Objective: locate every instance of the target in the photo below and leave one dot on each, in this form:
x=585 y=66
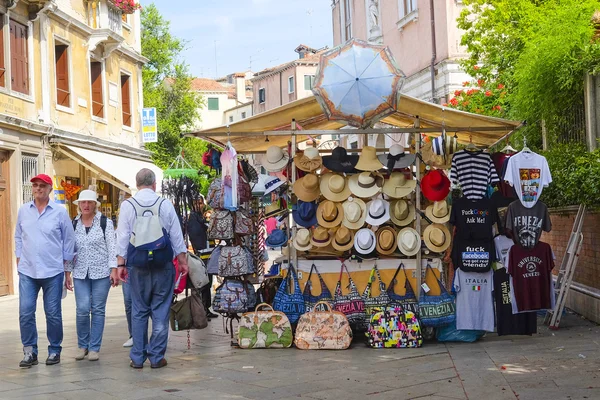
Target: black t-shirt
x=473 y=218
x=500 y=204
x=471 y=255
x=526 y=224
x=508 y=323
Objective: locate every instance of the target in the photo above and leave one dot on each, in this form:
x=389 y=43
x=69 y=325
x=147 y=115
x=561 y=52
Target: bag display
x=221 y=225
x=394 y=327
x=323 y=330
x=373 y=302
x=188 y=313
x=267 y=329
x=352 y=305
x=231 y=297
x=309 y=300
x=435 y=311
x=214 y=196
x=212 y=267
x=292 y=304
x=409 y=300
x=197 y=274
x=243 y=223
x=234 y=261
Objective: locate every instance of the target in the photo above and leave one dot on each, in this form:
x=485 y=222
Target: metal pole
x=419 y=267
x=293 y=255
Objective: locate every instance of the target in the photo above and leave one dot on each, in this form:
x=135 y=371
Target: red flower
x=500 y=86
x=480 y=82
x=476 y=67
x=465 y=103
x=488 y=93
x=471 y=92
x=466 y=83
x=497 y=107
x=444 y=104
x=458 y=92
x=454 y=101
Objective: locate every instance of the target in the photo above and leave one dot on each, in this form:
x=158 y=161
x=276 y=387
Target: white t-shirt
x=474 y=301
x=503 y=245
x=528 y=173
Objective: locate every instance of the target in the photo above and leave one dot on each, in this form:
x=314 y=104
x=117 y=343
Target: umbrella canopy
x=358 y=83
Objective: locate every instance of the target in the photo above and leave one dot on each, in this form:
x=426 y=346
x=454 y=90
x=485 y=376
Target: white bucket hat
x=275 y=159
x=87 y=195
x=378 y=212
x=409 y=241
x=364 y=241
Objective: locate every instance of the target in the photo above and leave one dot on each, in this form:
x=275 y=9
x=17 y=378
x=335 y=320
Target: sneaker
x=81 y=353
x=211 y=315
x=29 y=360
x=128 y=343
x=93 y=356
x=53 y=359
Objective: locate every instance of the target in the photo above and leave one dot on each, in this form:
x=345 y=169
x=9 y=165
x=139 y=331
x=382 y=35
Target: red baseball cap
x=435 y=185
x=42 y=177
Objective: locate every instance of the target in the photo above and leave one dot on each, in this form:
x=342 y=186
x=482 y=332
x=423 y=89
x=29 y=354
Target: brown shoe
x=135 y=366
x=160 y=364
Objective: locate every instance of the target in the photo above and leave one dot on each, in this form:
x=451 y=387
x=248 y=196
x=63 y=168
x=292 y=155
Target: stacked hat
x=307 y=188
x=355 y=213
x=409 y=241
x=364 y=241
x=386 y=240
x=330 y=214
x=402 y=212
x=309 y=161
x=275 y=159
x=321 y=237
x=340 y=161
x=397 y=158
x=305 y=213
x=343 y=240
x=378 y=212
x=438 y=212
x=272 y=183
x=437 y=238
x=368 y=160
x=302 y=240
x=277 y=238
x=397 y=186
x=366 y=184
x=334 y=187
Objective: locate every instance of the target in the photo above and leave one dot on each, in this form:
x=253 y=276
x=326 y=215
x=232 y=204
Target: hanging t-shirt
x=474 y=304
x=500 y=160
x=474 y=171
x=508 y=323
x=528 y=173
x=271 y=224
x=531 y=270
x=473 y=218
x=472 y=255
x=526 y=224
x=503 y=245
x=500 y=203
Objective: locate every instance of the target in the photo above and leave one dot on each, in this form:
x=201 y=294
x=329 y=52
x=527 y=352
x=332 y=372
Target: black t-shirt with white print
x=473 y=219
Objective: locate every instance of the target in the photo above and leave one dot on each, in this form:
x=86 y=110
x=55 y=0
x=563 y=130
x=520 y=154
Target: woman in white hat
x=94 y=270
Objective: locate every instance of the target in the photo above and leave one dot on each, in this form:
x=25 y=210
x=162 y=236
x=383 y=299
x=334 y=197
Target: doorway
x=6 y=286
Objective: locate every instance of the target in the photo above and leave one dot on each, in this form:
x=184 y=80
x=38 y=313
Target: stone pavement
x=562 y=364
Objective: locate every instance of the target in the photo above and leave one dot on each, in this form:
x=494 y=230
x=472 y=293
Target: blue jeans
x=90 y=297
x=127 y=302
x=151 y=297
x=52 y=294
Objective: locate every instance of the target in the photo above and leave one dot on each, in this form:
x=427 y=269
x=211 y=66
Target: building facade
x=70 y=107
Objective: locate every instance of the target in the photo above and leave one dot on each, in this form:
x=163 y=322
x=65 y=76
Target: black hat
x=340 y=161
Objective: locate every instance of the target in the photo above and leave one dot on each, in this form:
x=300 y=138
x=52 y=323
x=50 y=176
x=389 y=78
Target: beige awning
x=248 y=135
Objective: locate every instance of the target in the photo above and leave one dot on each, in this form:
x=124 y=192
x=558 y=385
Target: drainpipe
x=433 y=52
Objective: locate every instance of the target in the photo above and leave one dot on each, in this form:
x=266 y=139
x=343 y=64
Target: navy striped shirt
x=473 y=171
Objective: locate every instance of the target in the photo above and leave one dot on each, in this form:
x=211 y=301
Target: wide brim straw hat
x=302 y=240
x=87 y=195
x=275 y=159
x=355 y=213
x=409 y=241
x=335 y=187
x=386 y=240
x=343 y=240
x=402 y=212
x=321 y=237
x=366 y=184
x=330 y=214
x=309 y=161
x=378 y=212
x=397 y=186
x=437 y=238
x=439 y=212
x=368 y=161
x=307 y=188
x=364 y=241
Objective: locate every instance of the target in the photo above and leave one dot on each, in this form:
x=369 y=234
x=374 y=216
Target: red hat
x=435 y=185
x=42 y=177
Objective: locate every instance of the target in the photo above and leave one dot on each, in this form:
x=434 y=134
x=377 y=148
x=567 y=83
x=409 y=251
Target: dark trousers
x=206 y=292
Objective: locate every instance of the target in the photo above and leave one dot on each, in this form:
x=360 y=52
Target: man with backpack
x=149 y=236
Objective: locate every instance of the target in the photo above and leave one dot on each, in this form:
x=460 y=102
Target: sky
x=256 y=33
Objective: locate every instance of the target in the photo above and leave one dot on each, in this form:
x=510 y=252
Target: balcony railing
x=102 y=15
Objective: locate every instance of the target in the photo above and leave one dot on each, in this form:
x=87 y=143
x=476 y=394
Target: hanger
x=525 y=148
x=228 y=137
x=508 y=148
x=471 y=146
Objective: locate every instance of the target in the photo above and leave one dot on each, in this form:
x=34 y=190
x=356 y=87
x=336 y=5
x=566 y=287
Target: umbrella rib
x=372 y=61
x=346 y=95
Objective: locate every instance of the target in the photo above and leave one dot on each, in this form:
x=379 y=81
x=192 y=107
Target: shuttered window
x=63 y=94
x=126 y=100
x=19 y=63
x=97 y=95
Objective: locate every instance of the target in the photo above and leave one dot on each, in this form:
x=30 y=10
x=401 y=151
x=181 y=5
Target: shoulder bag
x=221 y=225
x=372 y=302
x=292 y=304
x=214 y=196
x=409 y=300
x=309 y=299
x=243 y=223
x=197 y=274
x=435 y=311
x=188 y=313
x=212 y=267
x=352 y=305
x=231 y=297
x=234 y=261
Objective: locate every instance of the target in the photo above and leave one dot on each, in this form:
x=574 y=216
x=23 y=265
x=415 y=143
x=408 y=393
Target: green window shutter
x=213 y=103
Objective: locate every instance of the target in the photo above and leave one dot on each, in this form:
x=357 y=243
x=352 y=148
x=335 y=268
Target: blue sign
x=149 y=125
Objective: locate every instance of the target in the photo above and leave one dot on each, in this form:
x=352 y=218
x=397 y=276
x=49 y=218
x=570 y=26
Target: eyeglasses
x=39 y=185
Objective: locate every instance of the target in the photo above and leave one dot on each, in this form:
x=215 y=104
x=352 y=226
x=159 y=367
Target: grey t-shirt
x=474 y=301
x=527 y=224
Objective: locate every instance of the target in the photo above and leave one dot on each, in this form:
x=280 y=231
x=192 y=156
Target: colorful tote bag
x=323 y=330
x=231 y=297
x=409 y=300
x=372 y=302
x=394 y=327
x=264 y=329
x=309 y=299
x=439 y=310
x=352 y=305
x=292 y=304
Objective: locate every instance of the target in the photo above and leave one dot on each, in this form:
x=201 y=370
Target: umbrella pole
x=419 y=266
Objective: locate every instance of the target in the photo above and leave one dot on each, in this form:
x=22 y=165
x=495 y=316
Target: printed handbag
x=197 y=271
x=292 y=304
x=323 y=330
x=252 y=297
x=188 y=313
x=212 y=267
x=221 y=225
x=372 y=302
x=231 y=297
x=214 y=196
x=243 y=223
x=439 y=310
x=309 y=299
x=244 y=189
x=233 y=261
x=250 y=260
x=352 y=305
x=409 y=300
x=394 y=327
x=268 y=329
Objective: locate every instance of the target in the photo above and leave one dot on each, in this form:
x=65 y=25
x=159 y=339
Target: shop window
x=213 y=103
x=61 y=59
x=29 y=169
x=19 y=59
x=126 y=99
x=97 y=89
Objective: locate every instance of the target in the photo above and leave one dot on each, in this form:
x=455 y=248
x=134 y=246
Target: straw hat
x=310 y=161
x=438 y=212
x=437 y=238
x=302 y=240
x=402 y=212
x=368 y=161
x=321 y=237
x=365 y=184
x=334 y=187
x=435 y=185
x=397 y=158
x=343 y=239
x=340 y=161
x=397 y=186
x=386 y=240
x=409 y=241
x=355 y=213
x=307 y=188
x=275 y=159
x=364 y=241
x=87 y=195
x=275 y=208
x=378 y=212
x=430 y=158
x=305 y=213
x=330 y=214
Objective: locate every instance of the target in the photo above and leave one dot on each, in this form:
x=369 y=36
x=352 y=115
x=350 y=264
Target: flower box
x=126 y=6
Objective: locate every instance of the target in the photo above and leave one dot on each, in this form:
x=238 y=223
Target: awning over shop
x=117 y=170
x=308 y=114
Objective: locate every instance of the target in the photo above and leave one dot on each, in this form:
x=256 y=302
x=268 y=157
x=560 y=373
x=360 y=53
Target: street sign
x=149 y=125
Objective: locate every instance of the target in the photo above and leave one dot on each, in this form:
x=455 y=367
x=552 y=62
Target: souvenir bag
x=180 y=281
x=292 y=304
x=264 y=328
x=243 y=223
x=244 y=189
x=233 y=261
x=435 y=311
x=373 y=302
x=214 y=196
x=394 y=327
x=197 y=271
x=267 y=290
x=188 y=313
x=250 y=260
x=352 y=305
x=252 y=297
x=221 y=225
x=212 y=267
x=309 y=299
x=231 y=297
x=323 y=330
x=409 y=300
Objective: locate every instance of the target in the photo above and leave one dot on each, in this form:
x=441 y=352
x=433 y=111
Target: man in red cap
x=44 y=242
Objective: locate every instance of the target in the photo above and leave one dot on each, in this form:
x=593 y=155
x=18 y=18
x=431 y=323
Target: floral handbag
x=435 y=311
x=243 y=223
x=323 y=330
x=221 y=225
x=233 y=261
x=352 y=305
x=372 y=302
x=309 y=299
x=268 y=329
x=214 y=197
x=409 y=300
x=392 y=326
x=292 y=304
